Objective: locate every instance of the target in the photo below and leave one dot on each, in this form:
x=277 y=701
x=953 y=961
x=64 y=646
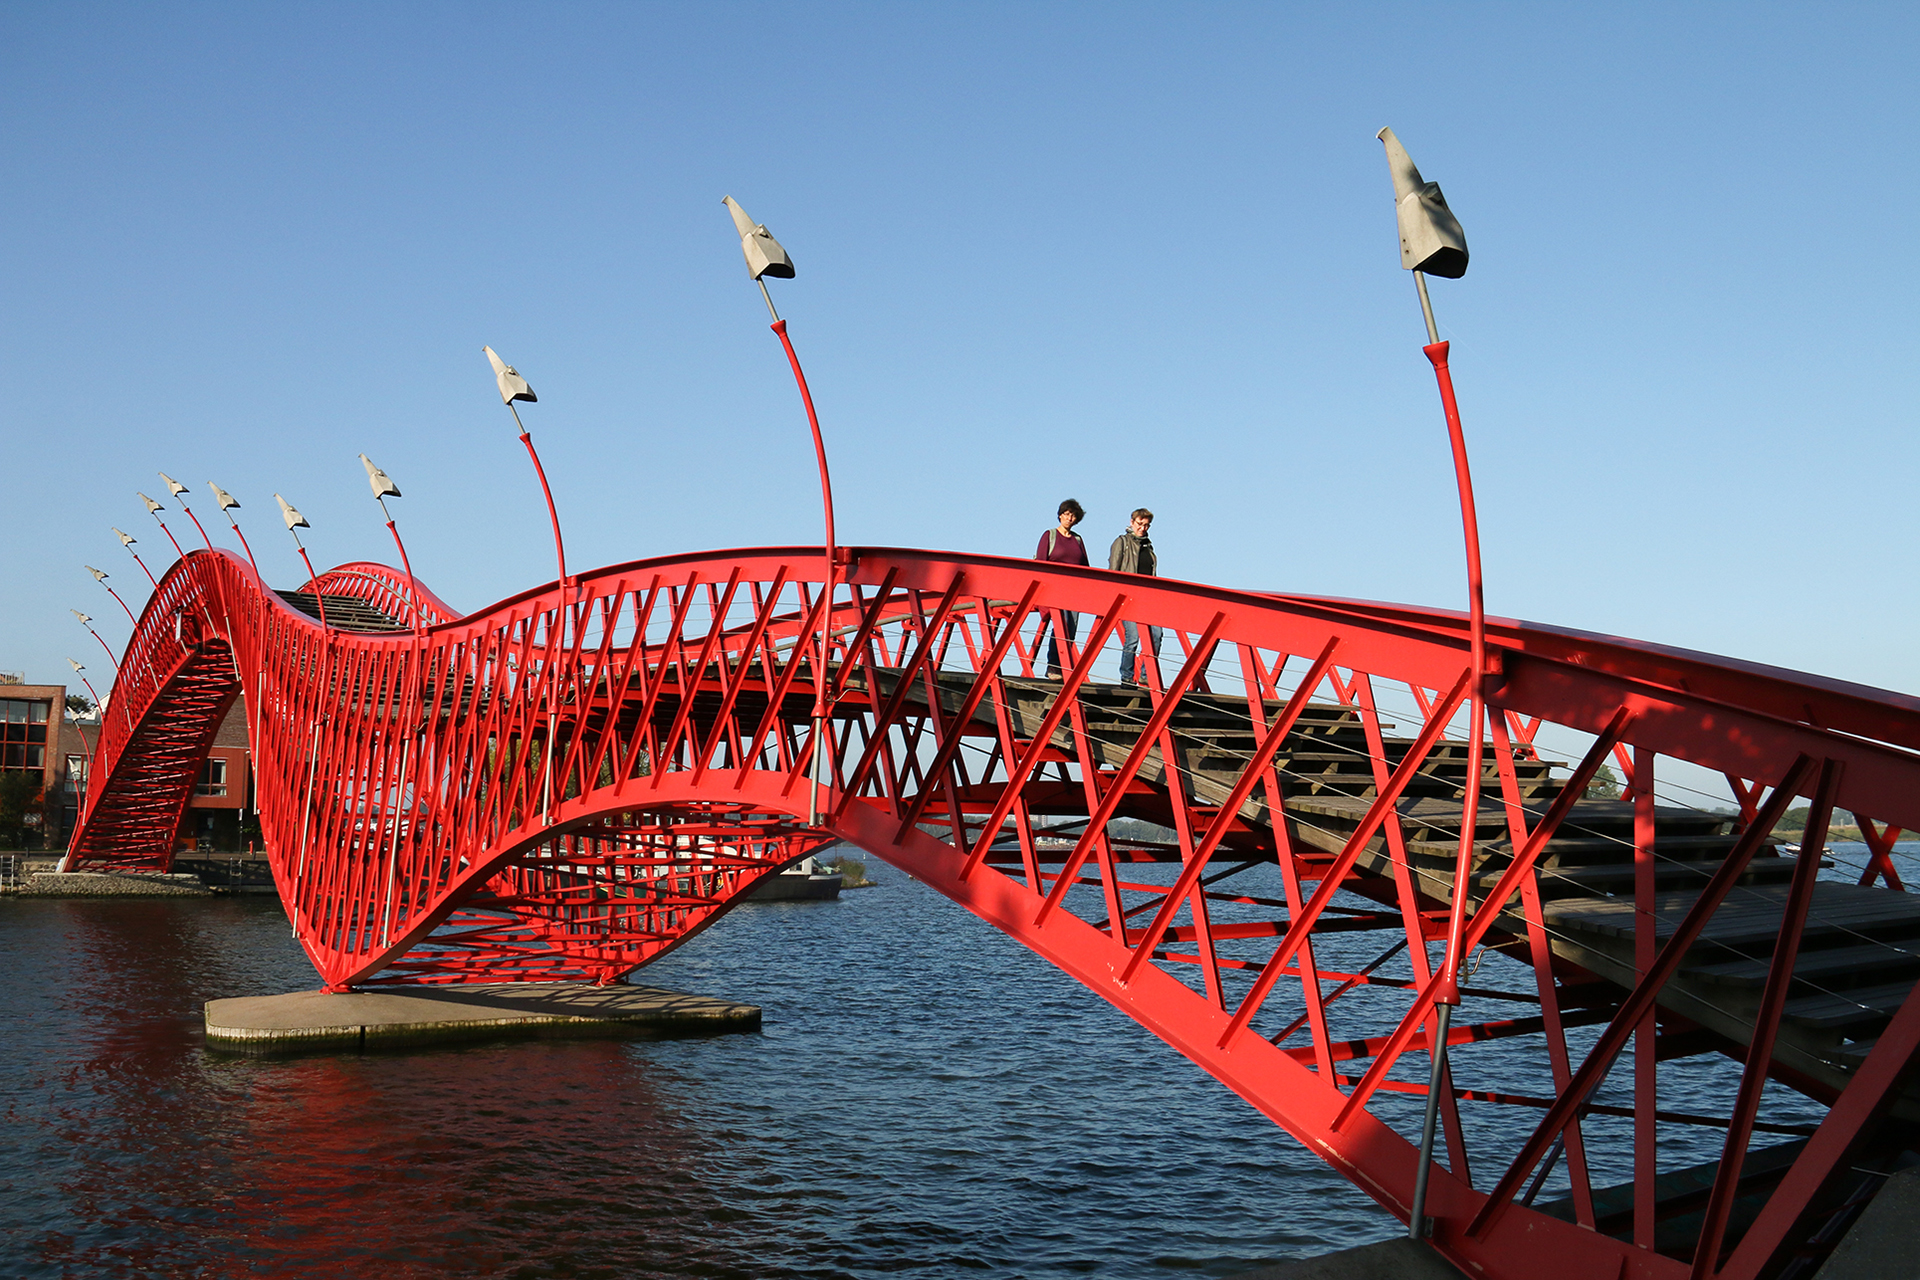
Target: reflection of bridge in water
x=570 y=783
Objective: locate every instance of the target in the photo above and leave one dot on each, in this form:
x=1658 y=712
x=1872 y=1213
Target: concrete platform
x=406 y=1017
x=1400 y=1259
x=1880 y=1246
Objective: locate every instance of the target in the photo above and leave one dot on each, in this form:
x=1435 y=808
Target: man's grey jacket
x=1131 y=555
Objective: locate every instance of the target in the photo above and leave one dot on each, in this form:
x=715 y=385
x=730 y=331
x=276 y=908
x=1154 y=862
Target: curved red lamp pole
x=244 y=546
x=553 y=512
x=154 y=509
x=127 y=540
x=86 y=790
x=766 y=257
x=514 y=387
x=1447 y=994
x=822 y=747
x=227 y=504
x=87 y=622
x=1431 y=241
x=382 y=485
x=413 y=587
x=295 y=522
x=313 y=582
x=180 y=492
x=1436 y=352
x=96 y=697
x=196 y=524
x=100 y=576
x=566 y=594
x=96 y=700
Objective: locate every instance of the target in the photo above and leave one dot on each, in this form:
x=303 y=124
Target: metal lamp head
x=221 y=496
x=764 y=255
x=173 y=486
x=77 y=668
x=293 y=518
x=512 y=385
x=126 y=539
x=84 y=618
x=98 y=575
x=152 y=506
x=1431 y=239
x=381 y=483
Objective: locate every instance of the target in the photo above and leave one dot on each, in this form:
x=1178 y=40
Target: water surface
x=926 y=1098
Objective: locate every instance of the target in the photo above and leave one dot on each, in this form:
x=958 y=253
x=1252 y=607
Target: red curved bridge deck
x=576 y=780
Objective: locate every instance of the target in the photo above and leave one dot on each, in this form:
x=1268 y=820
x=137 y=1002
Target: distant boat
x=801 y=882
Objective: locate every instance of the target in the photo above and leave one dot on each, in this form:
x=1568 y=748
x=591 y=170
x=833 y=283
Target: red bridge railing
x=577 y=779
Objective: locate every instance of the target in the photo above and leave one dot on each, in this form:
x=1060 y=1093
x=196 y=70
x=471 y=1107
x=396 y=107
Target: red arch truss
x=577 y=779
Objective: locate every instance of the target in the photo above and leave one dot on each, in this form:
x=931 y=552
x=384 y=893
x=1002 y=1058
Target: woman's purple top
x=1061 y=548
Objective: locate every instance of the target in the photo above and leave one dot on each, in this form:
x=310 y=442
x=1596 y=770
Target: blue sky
x=1133 y=254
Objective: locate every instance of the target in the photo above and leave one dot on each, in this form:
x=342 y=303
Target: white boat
x=801 y=882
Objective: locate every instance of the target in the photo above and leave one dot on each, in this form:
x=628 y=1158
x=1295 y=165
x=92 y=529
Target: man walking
x=1132 y=552
x=1061 y=545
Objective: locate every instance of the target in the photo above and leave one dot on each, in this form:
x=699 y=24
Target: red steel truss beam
x=572 y=782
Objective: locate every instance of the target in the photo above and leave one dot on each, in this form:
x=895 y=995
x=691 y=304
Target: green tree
x=1604 y=786
x=851 y=871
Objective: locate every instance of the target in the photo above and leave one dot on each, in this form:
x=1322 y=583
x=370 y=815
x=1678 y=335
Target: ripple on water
x=927 y=1098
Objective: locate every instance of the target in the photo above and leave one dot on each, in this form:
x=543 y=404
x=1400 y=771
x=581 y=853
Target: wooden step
x=1866 y=963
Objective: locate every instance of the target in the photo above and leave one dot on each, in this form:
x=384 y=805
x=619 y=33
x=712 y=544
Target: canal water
x=927 y=1098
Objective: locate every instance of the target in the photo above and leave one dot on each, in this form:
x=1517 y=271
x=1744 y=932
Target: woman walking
x=1061 y=545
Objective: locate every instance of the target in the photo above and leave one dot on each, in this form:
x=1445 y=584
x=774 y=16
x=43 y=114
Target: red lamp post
x=514 y=387
x=86 y=787
x=383 y=488
x=127 y=540
x=228 y=505
x=180 y=491
x=98 y=703
x=1433 y=243
x=100 y=576
x=87 y=622
x=766 y=258
x=296 y=522
x=154 y=509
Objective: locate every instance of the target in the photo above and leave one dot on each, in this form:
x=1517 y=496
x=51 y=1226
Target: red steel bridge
x=574 y=781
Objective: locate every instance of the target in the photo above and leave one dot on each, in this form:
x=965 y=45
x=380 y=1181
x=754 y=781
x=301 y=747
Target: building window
x=213 y=777
x=23 y=734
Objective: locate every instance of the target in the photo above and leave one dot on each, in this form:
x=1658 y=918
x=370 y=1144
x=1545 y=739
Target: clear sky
x=1131 y=254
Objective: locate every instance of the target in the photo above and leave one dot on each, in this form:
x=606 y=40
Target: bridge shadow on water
x=927 y=1098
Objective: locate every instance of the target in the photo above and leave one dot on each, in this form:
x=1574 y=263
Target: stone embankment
x=112 y=884
x=194 y=874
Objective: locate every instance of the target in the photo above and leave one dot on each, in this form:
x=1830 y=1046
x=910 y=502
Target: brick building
x=39 y=739
x=220 y=814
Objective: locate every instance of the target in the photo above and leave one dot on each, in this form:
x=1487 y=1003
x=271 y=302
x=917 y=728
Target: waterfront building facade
x=43 y=763
x=41 y=740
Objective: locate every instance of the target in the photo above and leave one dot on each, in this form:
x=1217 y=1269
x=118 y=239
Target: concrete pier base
x=1389 y=1260
x=404 y=1017
x=1880 y=1246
